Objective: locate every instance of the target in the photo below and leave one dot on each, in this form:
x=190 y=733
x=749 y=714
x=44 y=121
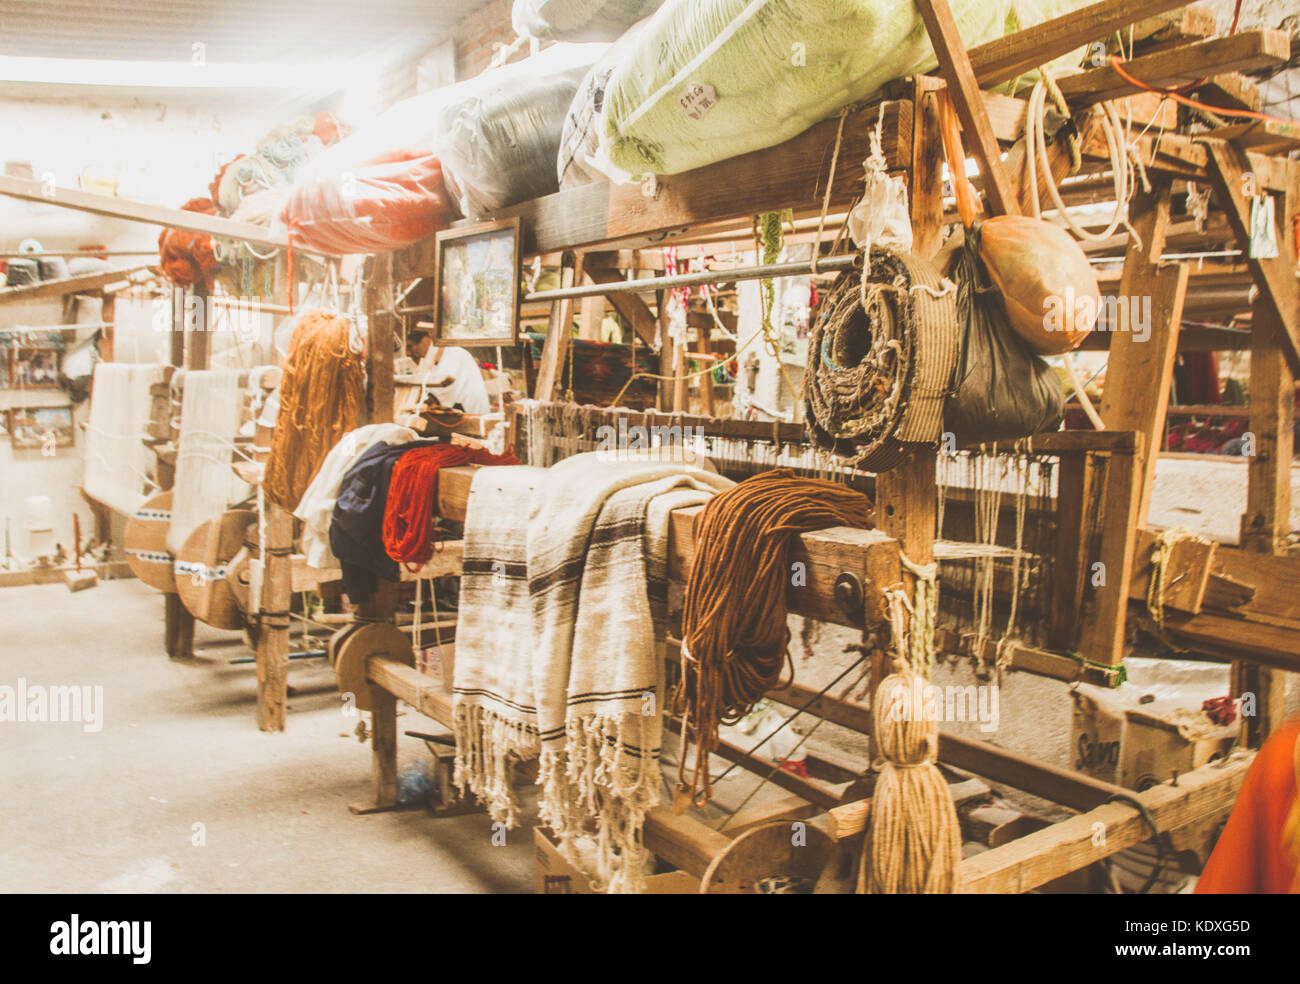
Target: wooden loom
x=1241 y=605
x=1221 y=606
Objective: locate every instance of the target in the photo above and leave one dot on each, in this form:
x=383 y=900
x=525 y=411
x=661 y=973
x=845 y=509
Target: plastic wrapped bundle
x=579 y=20
x=500 y=132
x=580 y=141
x=379 y=204
x=713 y=79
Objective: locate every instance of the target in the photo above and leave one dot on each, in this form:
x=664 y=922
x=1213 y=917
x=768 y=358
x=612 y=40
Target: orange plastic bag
x=1047 y=284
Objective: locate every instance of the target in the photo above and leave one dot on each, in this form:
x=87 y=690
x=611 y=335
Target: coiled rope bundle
x=322 y=397
x=735 y=636
x=881 y=360
x=413 y=492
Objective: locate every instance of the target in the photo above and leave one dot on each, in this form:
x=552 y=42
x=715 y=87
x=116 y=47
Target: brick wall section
x=477 y=35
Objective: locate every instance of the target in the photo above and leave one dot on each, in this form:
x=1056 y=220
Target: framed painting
x=477 y=284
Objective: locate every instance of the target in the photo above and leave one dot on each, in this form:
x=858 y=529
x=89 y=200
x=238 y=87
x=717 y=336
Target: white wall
x=161 y=148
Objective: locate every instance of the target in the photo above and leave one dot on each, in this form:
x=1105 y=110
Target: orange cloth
x=1252 y=856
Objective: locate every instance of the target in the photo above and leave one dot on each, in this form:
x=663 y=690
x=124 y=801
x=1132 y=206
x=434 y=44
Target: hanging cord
x=1036 y=153
x=735 y=644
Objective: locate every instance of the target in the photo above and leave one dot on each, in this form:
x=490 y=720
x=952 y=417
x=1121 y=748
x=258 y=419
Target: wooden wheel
x=770 y=859
x=201 y=569
x=145 y=541
x=366 y=640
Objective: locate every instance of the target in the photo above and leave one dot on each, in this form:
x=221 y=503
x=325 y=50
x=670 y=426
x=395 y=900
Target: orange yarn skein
x=322 y=397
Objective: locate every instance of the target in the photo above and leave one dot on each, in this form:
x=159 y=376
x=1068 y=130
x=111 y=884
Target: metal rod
x=92 y=253
x=309 y=654
x=763 y=271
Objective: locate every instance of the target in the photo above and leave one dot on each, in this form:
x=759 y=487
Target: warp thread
x=735 y=634
x=322 y=397
x=413 y=493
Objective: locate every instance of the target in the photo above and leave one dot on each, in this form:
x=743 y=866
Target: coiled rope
x=735 y=636
x=880 y=361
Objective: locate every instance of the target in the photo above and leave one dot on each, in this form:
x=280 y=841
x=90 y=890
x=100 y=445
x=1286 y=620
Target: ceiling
x=283 y=32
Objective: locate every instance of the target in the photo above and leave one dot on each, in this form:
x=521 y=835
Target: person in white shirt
x=449 y=373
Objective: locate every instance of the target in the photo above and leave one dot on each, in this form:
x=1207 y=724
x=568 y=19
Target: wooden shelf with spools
x=1230 y=610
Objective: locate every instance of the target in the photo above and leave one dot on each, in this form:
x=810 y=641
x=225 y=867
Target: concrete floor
x=115 y=810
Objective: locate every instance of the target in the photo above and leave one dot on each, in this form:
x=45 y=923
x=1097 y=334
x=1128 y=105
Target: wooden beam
x=67 y=285
x=124 y=208
x=1187 y=572
x=623 y=216
x=1245 y=52
x=630 y=306
x=1004 y=59
x=964 y=91
x=1140 y=368
x=1105 y=610
x=1266 y=524
x=1038 y=858
x=926 y=193
x=1275 y=277
x=558 y=333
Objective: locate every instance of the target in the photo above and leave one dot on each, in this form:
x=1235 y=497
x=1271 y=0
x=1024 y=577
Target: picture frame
x=476 y=284
x=29 y=428
x=34 y=367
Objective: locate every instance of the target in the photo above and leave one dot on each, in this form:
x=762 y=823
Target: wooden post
x=382 y=605
x=1266 y=524
x=1102 y=633
x=276 y=595
x=273 y=639
x=1140 y=369
x=556 y=348
x=665 y=394
x=1074 y=485
x=926 y=192
x=955 y=67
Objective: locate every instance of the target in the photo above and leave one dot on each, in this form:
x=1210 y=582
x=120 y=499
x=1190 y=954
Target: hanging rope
x=735 y=636
x=413 y=493
x=322 y=397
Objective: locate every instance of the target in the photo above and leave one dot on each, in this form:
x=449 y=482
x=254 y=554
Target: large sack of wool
x=713 y=79
x=579 y=20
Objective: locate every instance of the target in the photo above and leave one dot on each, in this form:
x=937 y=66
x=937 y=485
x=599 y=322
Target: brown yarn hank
x=736 y=638
x=322 y=397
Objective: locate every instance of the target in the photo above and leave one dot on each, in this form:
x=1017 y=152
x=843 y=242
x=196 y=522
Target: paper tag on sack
x=697 y=99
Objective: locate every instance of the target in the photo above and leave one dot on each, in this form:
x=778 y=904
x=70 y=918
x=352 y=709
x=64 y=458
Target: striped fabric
x=575 y=673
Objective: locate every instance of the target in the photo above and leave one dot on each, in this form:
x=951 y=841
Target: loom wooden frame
x=701 y=204
x=593 y=216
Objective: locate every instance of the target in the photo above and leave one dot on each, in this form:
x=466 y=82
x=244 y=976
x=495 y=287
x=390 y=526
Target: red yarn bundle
x=187 y=257
x=413 y=492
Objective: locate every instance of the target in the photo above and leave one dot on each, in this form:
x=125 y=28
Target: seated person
x=449 y=373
